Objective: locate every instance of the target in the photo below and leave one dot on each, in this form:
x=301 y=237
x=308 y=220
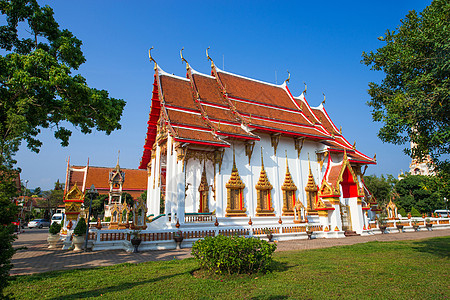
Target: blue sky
x=319 y=42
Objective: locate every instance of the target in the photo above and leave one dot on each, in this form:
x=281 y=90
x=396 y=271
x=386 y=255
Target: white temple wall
x=355 y=214
x=275 y=166
x=194 y=170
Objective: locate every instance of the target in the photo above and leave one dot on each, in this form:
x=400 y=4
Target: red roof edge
x=153 y=118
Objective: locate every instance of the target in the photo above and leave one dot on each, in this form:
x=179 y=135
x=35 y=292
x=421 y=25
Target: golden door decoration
x=204 y=191
x=114 y=223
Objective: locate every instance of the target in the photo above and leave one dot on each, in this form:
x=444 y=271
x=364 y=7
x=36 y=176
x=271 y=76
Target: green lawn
x=385 y=270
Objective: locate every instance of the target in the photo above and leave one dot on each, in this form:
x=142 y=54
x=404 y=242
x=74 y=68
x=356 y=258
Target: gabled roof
x=84 y=176
x=210 y=109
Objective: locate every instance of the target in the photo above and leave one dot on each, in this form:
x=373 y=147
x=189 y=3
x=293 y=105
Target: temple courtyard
x=37 y=258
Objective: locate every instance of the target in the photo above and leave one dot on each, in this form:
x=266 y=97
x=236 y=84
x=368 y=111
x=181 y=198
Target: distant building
x=422 y=167
x=108 y=181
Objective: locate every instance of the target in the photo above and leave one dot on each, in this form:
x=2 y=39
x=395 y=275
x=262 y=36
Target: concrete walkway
x=38 y=258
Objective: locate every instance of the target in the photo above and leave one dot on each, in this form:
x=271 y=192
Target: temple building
x=108 y=181
x=247 y=151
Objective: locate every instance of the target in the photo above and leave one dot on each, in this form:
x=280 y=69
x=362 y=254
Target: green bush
x=107 y=219
x=402 y=212
x=55 y=228
x=415 y=213
x=222 y=254
x=81 y=227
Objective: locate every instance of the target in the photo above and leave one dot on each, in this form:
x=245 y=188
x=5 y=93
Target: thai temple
x=249 y=152
x=230 y=155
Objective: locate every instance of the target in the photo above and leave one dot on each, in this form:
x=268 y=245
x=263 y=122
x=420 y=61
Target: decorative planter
x=78 y=242
x=135 y=243
x=52 y=240
x=383 y=228
x=416 y=227
x=270 y=237
x=400 y=227
x=429 y=226
x=309 y=233
x=178 y=240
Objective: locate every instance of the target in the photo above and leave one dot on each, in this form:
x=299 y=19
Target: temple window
x=264 y=189
x=311 y=194
x=289 y=190
x=235 y=197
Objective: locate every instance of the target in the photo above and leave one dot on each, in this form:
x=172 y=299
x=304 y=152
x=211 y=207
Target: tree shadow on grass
x=273 y=297
x=121 y=287
x=437 y=246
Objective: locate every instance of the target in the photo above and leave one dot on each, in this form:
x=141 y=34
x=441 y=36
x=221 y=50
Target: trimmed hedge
x=234 y=254
x=55 y=228
x=81 y=227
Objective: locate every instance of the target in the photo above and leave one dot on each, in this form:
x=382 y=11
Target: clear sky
x=319 y=42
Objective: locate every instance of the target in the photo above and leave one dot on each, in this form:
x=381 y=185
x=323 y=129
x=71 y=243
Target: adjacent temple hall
x=247 y=151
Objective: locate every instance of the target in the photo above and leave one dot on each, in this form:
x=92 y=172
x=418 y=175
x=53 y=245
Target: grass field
x=384 y=270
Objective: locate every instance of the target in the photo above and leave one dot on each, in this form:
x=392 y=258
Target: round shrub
x=81 y=227
x=55 y=228
x=234 y=254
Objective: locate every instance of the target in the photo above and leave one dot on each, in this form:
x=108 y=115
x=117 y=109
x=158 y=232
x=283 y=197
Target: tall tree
x=37 y=87
x=412 y=101
x=38 y=90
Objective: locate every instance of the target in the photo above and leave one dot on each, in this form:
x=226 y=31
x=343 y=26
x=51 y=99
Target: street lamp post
x=446 y=206
x=92 y=191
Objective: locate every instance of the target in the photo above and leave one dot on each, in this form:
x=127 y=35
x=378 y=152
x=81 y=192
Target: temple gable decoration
x=264 y=190
x=348 y=180
x=235 y=196
x=73 y=200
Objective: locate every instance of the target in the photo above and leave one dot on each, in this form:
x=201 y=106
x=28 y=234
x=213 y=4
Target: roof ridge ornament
x=209 y=58
x=151 y=58
x=323 y=102
x=289 y=77
x=182 y=58
x=304 y=92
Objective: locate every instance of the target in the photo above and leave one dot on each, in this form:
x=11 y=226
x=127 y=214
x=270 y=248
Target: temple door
x=345 y=218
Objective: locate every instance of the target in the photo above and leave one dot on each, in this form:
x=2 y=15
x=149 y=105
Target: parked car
x=58 y=217
x=39 y=223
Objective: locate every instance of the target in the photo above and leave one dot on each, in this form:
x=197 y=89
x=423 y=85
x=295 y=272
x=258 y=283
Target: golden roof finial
x=209 y=58
x=262 y=159
x=151 y=58
x=182 y=58
x=234 y=160
x=289 y=77
x=287 y=166
x=304 y=92
x=340 y=130
x=323 y=102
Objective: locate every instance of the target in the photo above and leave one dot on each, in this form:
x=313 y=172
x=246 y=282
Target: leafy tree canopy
x=380 y=187
x=37 y=87
x=425 y=193
x=412 y=101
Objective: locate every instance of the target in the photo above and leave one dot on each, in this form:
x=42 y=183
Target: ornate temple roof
x=212 y=109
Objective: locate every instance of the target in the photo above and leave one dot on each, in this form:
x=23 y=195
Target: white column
x=180 y=189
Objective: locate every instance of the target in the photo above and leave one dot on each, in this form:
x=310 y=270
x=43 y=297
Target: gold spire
x=182 y=58
x=209 y=58
x=262 y=159
x=151 y=58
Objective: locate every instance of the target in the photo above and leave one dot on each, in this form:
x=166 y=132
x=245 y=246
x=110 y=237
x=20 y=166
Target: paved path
x=38 y=258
